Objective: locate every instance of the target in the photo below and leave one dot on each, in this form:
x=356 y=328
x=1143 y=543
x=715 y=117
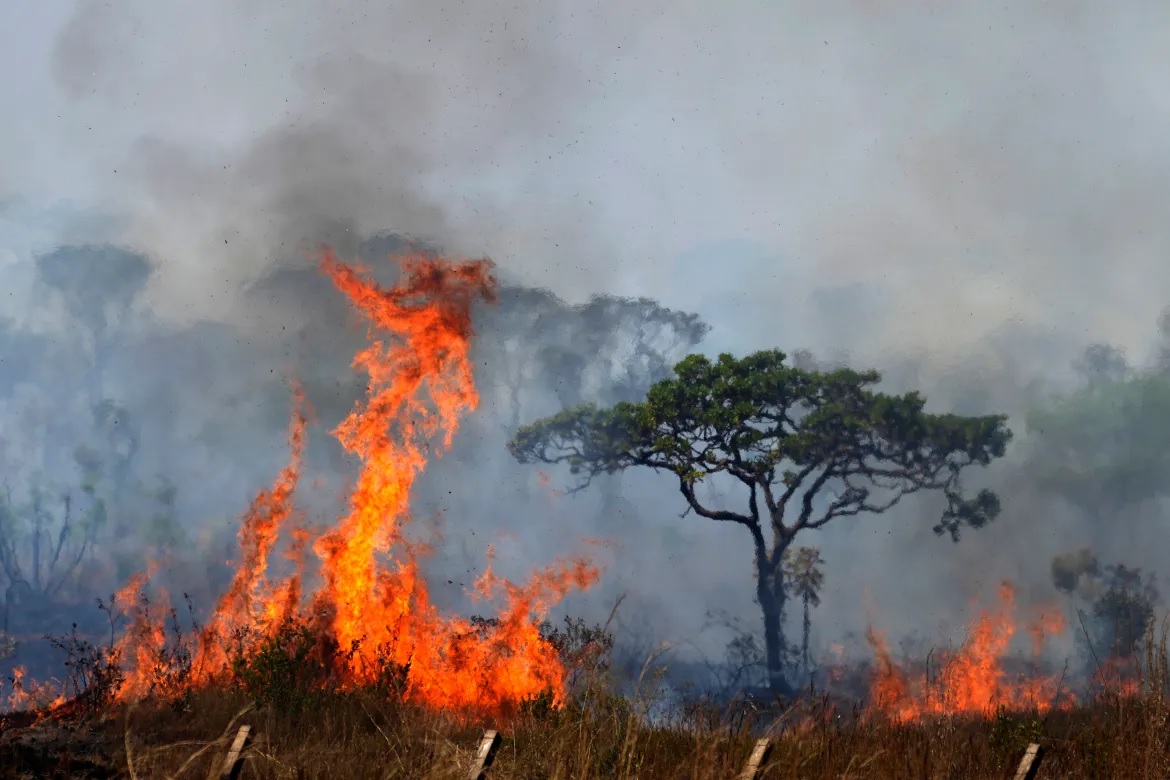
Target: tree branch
x=687 y=488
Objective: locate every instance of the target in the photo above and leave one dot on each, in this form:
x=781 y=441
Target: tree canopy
x=606 y=349
x=1106 y=447
x=99 y=283
x=785 y=433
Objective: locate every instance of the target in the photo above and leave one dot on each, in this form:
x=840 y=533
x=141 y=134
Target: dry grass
x=360 y=737
x=599 y=735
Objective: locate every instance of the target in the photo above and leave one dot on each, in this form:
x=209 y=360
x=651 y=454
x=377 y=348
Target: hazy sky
x=955 y=166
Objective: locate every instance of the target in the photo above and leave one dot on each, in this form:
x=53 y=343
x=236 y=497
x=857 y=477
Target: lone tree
x=804 y=446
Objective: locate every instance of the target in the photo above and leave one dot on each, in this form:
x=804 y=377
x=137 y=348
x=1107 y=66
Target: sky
x=926 y=179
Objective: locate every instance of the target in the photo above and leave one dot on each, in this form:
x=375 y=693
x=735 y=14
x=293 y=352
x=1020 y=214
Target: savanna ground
x=304 y=729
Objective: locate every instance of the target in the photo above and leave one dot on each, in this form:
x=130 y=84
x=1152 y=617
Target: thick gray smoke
x=962 y=196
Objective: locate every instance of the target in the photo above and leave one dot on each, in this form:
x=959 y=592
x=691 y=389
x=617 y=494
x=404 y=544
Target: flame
x=43 y=698
x=142 y=642
x=372 y=602
x=972 y=680
x=1120 y=677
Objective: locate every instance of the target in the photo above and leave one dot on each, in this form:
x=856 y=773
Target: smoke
x=955 y=169
x=963 y=198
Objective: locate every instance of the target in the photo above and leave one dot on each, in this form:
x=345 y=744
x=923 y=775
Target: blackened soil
x=51 y=749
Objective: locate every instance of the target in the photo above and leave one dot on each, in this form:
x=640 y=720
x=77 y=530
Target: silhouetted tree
x=99 y=286
x=1102 y=364
x=1119 y=601
x=1105 y=447
x=806 y=447
x=802 y=568
x=20 y=351
x=606 y=350
x=1162 y=357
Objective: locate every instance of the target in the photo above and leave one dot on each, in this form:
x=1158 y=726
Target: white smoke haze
x=961 y=195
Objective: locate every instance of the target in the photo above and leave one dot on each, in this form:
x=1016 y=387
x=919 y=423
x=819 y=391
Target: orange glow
x=1118 y=677
x=971 y=680
x=371 y=602
x=42 y=697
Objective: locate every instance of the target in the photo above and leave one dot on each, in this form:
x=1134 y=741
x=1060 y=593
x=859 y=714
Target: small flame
x=40 y=697
x=1118 y=677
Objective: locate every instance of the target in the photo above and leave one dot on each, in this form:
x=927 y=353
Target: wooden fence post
x=756 y=760
x=235 y=757
x=1030 y=763
x=485 y=755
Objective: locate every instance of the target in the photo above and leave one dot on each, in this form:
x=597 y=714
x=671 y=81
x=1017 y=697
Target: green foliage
x=541 y=707
x=802 y=570
x=285 y=670
x=1125 y=610
x=1106 y=447
x=808 y=446
x=802 y=566
x=1120 y=602
x=1010 y=734
x=294 y=668
x=779 y=430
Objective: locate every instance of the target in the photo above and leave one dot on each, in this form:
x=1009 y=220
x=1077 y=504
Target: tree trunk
x=770 y=592
x=807 y=627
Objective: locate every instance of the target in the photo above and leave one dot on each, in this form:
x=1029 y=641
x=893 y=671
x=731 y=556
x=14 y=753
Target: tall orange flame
x=372 y=601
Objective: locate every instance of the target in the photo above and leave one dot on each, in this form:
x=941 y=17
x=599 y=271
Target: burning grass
x=973 y=678
x=304 y=730
x=308 y=721
x=352 y=596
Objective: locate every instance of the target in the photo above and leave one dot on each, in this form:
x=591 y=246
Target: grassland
x=303 y=733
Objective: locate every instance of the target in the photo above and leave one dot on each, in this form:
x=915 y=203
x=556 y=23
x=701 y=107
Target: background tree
x=1117 y=607
x=20 y=351
x=1105 y=447
x=802 y=568
x=1162 y=356
x=805 y=447
x=536 y=353
x=1102 y=364
x=99 y=286
x=605 y=350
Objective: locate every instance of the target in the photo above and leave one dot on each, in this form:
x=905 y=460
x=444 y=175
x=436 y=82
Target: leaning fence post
x=751 y=770
x=484 y=755
x=1030 y=763
x=235 y=757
